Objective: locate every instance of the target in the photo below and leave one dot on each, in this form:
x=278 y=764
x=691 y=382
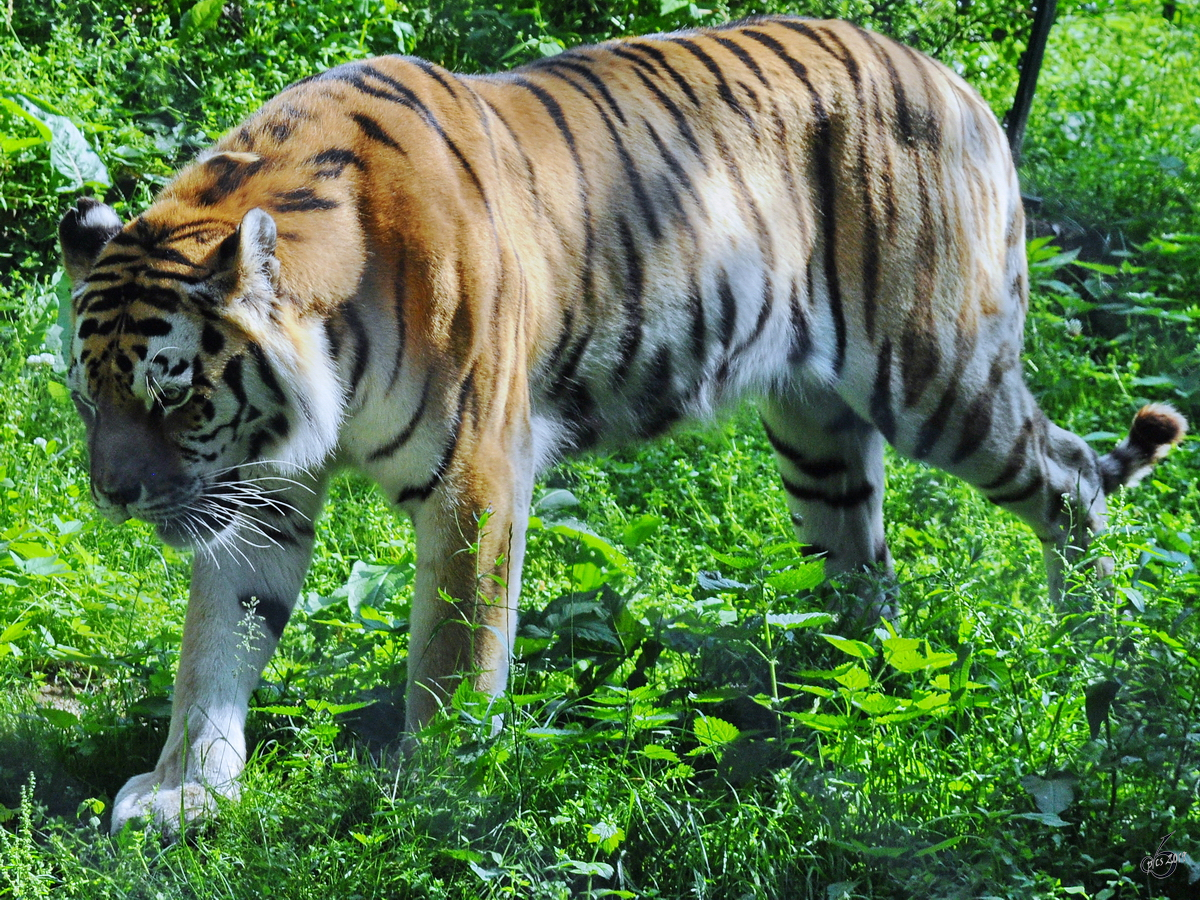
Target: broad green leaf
x=739 y=562
x=803 y=577
x=15 y=145
x=714 y=583
x=713 y=732
x=200 y=18
x=372 y=587
x=798 y=620
x=573 y=528
x=877 y=704
x=16 y=630
x=60 y=718
x=71 y=156
x=555 y=500
x=606 y=835
x=821 y=721
x=855 y=678
x=851 y=647
x=912 y=655
x=1052 y=795
x=641 y=528
x=657 y=751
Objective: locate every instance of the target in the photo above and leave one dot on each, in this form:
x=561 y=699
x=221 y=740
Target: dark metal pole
x=1018 y=116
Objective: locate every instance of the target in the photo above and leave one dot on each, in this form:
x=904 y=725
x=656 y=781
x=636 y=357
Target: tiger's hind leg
x=831 y=462
x=1006 y=447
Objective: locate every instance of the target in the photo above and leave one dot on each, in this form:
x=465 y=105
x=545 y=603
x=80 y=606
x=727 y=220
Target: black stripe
x=645 y=207
x=265 y=374
x=977 y=420
x=403 y=436
x=723 y=90
x=274 y=613
x=844 y=500
x=746 y=59
x=362 y=346
x=728 y=311
x=151 y=327
x=373 y=130
x=303 y=199
x=801 y=337
x=1018 y=495
x=554 y=110
x=228 y=175
x=764 y=313
x=661 y=59
x=699 y=327
x=401 y=327
x=631 y=337
x=441 y=76
x=1015 y=464
x=933 y=427
x=681 y=123
x=400 y=93
x=333 y=162
x=881 y=394
x=552 y=66
x=423 y=492
x=823 y=159
x=232 y=376
x=212 y=341
x=813 y=468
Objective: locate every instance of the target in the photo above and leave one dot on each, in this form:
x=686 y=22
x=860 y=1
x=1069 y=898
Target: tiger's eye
x=173 y=394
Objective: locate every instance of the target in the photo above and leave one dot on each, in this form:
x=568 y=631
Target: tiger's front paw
x=146 y=801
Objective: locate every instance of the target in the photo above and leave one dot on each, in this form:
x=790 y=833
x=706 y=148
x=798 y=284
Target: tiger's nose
x=121 y=494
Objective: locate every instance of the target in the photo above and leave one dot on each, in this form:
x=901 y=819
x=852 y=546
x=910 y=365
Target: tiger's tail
x=1156 y=428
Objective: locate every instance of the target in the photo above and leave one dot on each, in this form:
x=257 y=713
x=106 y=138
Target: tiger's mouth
x=204 y=516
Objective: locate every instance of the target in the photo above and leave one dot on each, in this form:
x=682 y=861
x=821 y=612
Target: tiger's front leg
x=470 y=547
x=243 y=588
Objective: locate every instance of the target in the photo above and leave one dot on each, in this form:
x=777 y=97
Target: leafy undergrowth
x=685 y=718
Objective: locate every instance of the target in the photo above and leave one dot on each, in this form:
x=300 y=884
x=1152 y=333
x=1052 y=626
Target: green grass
x=684 y=731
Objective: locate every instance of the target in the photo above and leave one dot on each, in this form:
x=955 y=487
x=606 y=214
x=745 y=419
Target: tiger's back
x=448 y=282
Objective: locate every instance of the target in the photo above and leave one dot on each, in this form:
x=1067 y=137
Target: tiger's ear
x=82 y=234
x=249 y=253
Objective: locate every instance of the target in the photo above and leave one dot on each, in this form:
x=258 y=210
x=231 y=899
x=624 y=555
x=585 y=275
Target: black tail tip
x=1156 y=428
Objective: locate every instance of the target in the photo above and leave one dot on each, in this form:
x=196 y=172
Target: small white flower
x=39 y=442
x=41 y=359
x=1074 y=327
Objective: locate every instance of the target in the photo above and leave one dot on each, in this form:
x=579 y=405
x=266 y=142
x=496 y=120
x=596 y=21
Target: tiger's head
x=196 y=379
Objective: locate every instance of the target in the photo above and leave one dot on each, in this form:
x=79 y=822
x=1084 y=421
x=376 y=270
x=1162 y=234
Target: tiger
x=450 y=282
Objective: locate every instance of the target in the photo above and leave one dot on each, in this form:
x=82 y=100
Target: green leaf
x=877 y=704
x=657 y=751
x=606 y=835
x=855 y=678
x=371 y=588
x=713 y=732
x=573 y=528
x=60 y=718
x=857 y=649
x=912 y=655
x=200 y=18
x=71 y=156
x=1052 y=795
x=16 y=630
x=798 y=620
x=734 y=562
x=641 y=528
x=803 y=577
